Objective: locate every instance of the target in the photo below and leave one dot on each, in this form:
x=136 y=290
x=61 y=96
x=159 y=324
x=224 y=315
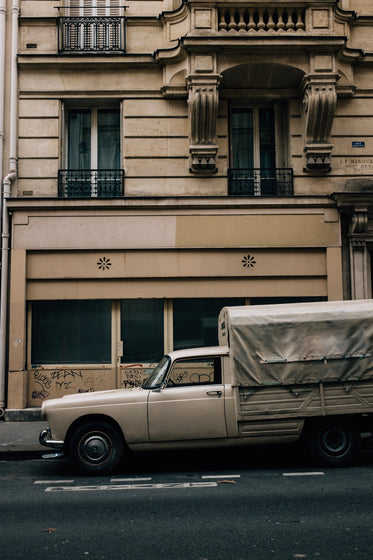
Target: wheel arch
x=92 y=418
x=358 y=421
x=333 y=440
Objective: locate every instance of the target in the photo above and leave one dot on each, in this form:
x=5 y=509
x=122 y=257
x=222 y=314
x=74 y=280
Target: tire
x=96 y=447
x=333 y=443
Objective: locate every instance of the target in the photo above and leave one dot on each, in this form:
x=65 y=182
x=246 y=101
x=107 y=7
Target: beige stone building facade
x=162 y=159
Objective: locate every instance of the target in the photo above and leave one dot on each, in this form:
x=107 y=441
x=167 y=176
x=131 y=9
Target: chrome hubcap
x=95 y=448
x=335 y=441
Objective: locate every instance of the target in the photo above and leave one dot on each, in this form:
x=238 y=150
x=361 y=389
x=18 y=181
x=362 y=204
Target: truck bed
x=299 y=401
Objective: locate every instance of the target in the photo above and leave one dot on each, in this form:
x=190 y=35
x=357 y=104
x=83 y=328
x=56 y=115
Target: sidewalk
x=20 y=437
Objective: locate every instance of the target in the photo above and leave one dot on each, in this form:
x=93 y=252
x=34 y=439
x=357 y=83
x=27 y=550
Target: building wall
x=177 y=234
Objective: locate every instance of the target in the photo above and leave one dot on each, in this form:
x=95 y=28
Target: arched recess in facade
x=265 y=81
x=256 y=96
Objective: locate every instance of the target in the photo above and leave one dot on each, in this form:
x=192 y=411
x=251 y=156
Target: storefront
x=97 y=296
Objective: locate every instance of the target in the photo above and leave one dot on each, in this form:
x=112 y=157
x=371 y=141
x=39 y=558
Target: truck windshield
x=156 y=378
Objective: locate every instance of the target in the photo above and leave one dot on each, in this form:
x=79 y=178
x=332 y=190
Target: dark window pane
x=242 y=139
x=196 y=321
x=277 y=300
x=108 y=142
x=267 y=138
x=71 y=332
x=79 y=140
x=142 y=330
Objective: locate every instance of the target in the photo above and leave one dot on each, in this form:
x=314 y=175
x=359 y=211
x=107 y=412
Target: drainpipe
x=2 y=95
x=7 y=182
x=2 y=82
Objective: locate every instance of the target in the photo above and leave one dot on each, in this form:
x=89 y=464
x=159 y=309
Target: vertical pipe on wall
x=7 y=182
x=2 y=82
x=2 y=101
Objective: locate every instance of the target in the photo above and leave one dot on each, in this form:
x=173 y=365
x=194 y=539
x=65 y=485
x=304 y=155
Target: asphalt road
x=271 y=505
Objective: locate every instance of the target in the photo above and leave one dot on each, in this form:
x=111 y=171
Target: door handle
x=218 y=393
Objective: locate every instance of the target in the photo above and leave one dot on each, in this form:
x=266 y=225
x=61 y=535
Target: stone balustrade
x=269 y=19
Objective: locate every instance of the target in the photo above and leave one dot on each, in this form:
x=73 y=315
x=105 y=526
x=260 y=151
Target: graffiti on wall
x=134 y=375
x=46 y=384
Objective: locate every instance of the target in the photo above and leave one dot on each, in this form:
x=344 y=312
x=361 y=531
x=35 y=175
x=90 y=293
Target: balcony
x=90 y=183
x=260 y=182
x=253 y=20
x=92 y=34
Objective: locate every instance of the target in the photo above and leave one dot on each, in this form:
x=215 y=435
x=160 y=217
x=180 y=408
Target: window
x=253 y=138
x=278 y=300
x=80 y=332
x=71 y=332
x=142 y=328
x=258 y=147
x=195 y=321
x=93 y=154
x=196 y=371
x=96 y=26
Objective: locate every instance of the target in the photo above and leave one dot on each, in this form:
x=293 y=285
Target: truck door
x=191 y=406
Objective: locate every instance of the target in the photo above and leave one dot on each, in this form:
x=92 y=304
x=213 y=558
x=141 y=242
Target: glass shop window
x=71 y=332
x=196 y=321
x=142 y=327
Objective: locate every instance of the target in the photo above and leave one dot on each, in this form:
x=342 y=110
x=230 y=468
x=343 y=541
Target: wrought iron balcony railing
x=260 y=182
x=92 y=34
x=265 y=19
x=90 y=183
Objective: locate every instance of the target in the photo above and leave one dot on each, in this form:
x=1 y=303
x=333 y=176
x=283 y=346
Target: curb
x=25 y=453
x=23 y=415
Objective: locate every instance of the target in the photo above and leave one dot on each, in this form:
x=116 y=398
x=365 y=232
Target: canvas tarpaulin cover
x=292 y=344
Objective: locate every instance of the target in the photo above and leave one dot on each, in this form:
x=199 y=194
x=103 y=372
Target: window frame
x=93 y=107
x=280 y=112
x=117 y=342
x=73 y=365
x=87 y=27
x=217 y=372
x=117 y=339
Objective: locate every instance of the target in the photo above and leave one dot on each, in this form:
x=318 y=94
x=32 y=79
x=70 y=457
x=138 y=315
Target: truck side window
x=195 y=371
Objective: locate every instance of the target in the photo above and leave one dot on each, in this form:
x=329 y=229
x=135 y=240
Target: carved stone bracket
x=203 y=109
x=359 y=224
x=359 y=254
x=319 y=101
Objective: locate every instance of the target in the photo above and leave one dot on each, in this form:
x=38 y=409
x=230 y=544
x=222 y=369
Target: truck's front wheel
x=333 y=443
x=96 y=447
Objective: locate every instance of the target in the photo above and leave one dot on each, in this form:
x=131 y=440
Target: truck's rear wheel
x=333 y=443
x=96 y=447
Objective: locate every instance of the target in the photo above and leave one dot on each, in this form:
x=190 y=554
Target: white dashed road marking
x=130 y=479
x=54 y=481
x=303 y=474
x=102 y=487
x=222 y=476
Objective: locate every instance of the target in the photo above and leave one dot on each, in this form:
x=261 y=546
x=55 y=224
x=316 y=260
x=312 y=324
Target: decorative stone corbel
x=319 y=102
x=359 y=224
x=359 y=254
x=203 y=109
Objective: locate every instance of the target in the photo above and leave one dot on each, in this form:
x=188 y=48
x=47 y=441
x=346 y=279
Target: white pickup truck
x=281 y=373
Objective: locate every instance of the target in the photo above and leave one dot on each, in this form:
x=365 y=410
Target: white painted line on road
x=130 y=479
x=130 y=487
x=54 y=481
x=222 y=476
x=303 y=474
